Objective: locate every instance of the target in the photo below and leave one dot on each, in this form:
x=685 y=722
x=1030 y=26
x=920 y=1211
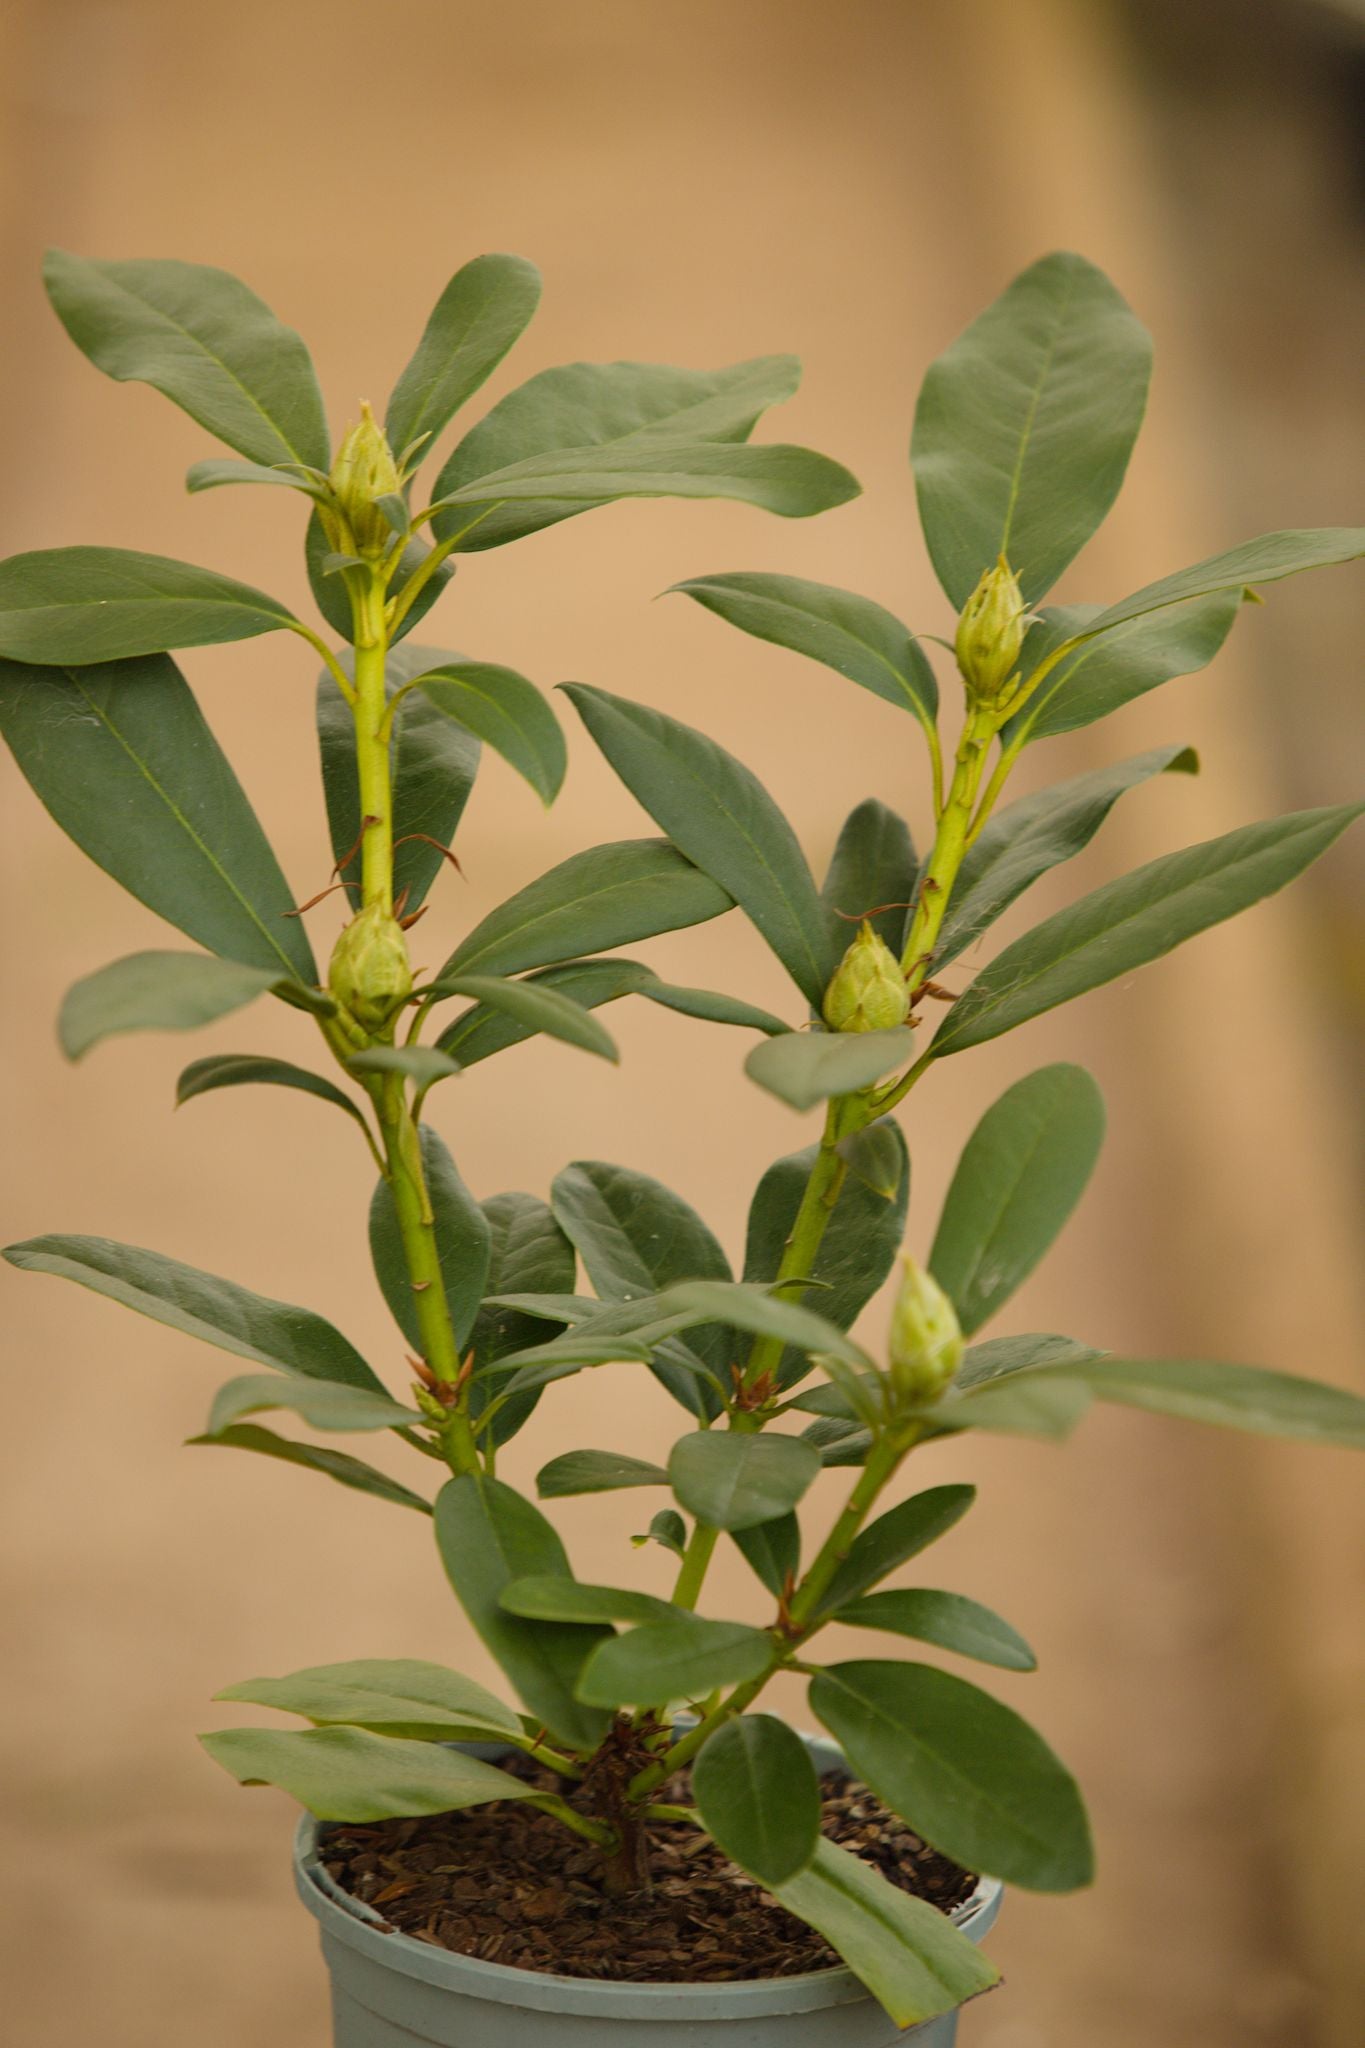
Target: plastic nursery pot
x=390 y=1991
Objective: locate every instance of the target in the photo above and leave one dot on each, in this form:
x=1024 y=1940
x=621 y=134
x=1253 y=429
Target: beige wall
x=700 y=183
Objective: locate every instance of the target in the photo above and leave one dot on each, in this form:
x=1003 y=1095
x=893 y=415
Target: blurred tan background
x=702 y=182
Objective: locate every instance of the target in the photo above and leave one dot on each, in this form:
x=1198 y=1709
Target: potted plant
x=630 y=1836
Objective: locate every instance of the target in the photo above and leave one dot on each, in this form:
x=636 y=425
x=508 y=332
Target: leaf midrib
x=1016 y=480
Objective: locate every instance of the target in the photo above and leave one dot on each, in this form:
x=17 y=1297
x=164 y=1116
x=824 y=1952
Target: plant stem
x=822 y=1191
x=372 y=747
x=697 y=1556
x=950 y=844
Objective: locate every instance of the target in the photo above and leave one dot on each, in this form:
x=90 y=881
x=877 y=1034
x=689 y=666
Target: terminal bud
x=868 y=991
x=925 y=1344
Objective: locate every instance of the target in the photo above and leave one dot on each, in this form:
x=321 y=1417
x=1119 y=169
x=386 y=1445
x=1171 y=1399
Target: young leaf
x=349 y=1774
x=1136 y=919
x=1037 y=833
x=852 y=635
x=462 y=1238
x=1024 y=427
x=735 y=1482
x=291 y=1340
x=158 y=992
x=574 y=1472
x=608 y=896
x=679 y=1659
x=873 y=869
x=338 y=1465
x=894 y=1538
x=772 y=1550
x=948 y=1620
x=328 y=583
x=506 y=711
x=398 y=1696
x=967 y=1773
x=666 y=1528
x=805 y=1068
x=321 y=1403
x=122 y=758
x=483 y=310
x=539 y=1009
x=489 y=1535
x=84 y=604
x=235 y=1069
x=1263 y=560
x=758 y=1797
x=1021 y=1174
x=552 y=1599
x=718 y=814
x=1100 y=675
x=202 y=338
x=908 y=1954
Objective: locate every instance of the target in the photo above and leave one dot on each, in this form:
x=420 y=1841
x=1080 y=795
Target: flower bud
x=364 y=470
x=370 y=974
x=990 y=634
x=925 y=1342
x=868 y=991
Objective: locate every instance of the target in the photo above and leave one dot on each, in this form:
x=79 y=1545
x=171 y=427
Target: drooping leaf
x=803 y=1068
x=122 y=758
x=735 y=1481
x=679 y=1659
x=323 y=1404
x=719 y=814
x=338 y=1465
x=291 y=1340
x=1037 y=833
x=894 y=1538
x=852 y=635
x=483 y=310
x=462 y=1238
x=758 y=1797
x=966 y=1772
x=236 y=1069
x=544 y=1010
x=161 y=992
x=397 y=1696
x=1100 y=675
x=554 y=1599
x=1263 y=560
x=609 y=896
x=1024 y=427
x=508 y=712
x=84 y=605
x=949 y=1620
x=1136 y=919
x=350 y=1774
x=772 y=1550
x=574 y=1472
x=1021 y=1174
x=202 y=338
x=873 y=870
x=488 y=1535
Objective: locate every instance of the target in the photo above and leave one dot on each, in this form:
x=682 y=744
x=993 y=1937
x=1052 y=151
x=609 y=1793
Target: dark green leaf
x=338 y=1465
x=772 y=1550
x=1024 y=427
x=736 y=1481
x=894 y=1538
x=1263 y=560
x=679 y=1659
x=876 y=1157
x=967 y=1773
x=1098 y=676
x=873 y=869
x=156 y=992
x=84 y=604
x=554 y=1599
x=758 y=1797
x=398 y=1696
x=527 y=1252
x=667 y=1528
x=489 y=1535
x=350 y=1774
x=462 y=1238
x=793 y=482
x=1233 y=1396
x=1021 y=1174
x=234 y=1069
x=838 y=1442
x=948 y=1620
x=1000 y=1356
x=707 y=1004
x=480 y=314
x=501 y=707
x=575 y=1472
x=742 y=1306
x=544 y=1010
x=719 y=814
x=122 y=758
x=805 y=1068
x=202 y=338
x=1136 y=919
x=322 y=1404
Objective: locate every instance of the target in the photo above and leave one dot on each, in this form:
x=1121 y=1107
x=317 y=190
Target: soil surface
x=511 y=1885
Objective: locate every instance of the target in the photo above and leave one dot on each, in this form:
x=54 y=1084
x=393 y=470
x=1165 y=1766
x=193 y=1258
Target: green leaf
x=742 y=1306
x=683 y=1658
x=1263 y=560
x=463 y=1241
x=483 y=310
x=1021 y=1174
x=551 y=1599
x=709 y=1005
x=84 y=604
x=397 y=1696
x=1100 y=675
x=634 y=1237
x=839 y=1442
x=967 y=1773
x=1024 y=427
x=873 y=868
x=667 y=1528
x=1233 y=1396
x=220 y=471
x=489 y=1535
x=235 y=1069
x=1028 y=1406
x=574 y=1472
x=501 y=707
x=718 y=814
x=859 y=1248
x=609 y=896
x=805 y=1068
x=908 y=1954
x=876 y=1157
x=894 y=1538
x=758 y=1797
x=421 y=1064
x=999 y=1357
x=734 y=1482
x=948 y=1620
x=328 y=585
x=852 y=635
x=433 y=762
x=321 y=1403
x=539 y=1009
x=338 y=1465
x=160 y=992
x=583 y=405
x=292 y=1340
x=122 y=758
x=349 y=1774
x=1025 y=840
x=203 y=339
x=1136 y=919
x=793 y=482
x=527 y=1252
x=772 y=1550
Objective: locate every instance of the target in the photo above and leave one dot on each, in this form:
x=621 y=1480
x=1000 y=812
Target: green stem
x=372 y=748
x=950 y=844
x=697 y=1556
x=822 y=1191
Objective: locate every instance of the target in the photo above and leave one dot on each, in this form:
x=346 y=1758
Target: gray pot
x=389 y=1991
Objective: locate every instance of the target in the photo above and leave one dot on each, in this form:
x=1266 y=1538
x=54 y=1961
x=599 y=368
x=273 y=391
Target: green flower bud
x=990 y=633
x=363 y=471
x=868 y=991
x=925 y=1343
x=370 y=974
